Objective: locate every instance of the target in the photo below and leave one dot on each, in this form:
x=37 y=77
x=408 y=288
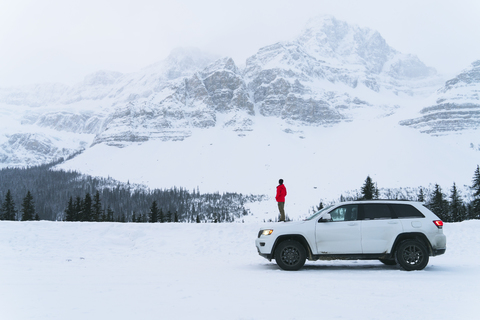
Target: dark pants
x=281 y=206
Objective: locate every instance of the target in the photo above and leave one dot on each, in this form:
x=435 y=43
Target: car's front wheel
x=290 y=255
x=412 y=255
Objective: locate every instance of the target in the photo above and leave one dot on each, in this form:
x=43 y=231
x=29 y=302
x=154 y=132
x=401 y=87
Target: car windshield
x=316 y=214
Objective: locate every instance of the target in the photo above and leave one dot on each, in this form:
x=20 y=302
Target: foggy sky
x=63 y=41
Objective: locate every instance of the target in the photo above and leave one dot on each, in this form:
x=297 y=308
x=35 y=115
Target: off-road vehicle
x=395 y=232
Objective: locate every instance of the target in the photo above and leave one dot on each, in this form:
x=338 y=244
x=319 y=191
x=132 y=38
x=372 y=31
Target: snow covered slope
x=57 y=271
x=315 y=162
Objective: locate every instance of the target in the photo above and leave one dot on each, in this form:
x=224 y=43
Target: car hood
x=282 y=225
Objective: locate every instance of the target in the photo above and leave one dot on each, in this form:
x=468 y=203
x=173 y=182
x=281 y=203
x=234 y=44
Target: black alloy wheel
x=412 y=255
x=290 y=255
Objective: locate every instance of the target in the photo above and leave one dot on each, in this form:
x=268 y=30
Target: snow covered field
x=60 y=270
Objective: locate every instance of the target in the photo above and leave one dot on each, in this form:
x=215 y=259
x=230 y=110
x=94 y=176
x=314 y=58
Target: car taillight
x=438 y=223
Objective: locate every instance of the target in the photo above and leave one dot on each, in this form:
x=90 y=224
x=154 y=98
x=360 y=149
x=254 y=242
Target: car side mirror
x=326 y=217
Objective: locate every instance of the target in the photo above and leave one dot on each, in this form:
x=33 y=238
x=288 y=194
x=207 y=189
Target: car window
x=316 y=214
x=376 y=211
x=406 y=211
x=345 y=213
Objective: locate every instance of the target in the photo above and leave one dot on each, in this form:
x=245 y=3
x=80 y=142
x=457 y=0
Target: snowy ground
x=59 y=270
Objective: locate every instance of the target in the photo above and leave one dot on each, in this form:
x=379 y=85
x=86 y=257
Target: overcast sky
x=64 y=40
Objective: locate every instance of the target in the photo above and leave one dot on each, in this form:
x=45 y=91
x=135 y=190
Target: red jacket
x=281 y=193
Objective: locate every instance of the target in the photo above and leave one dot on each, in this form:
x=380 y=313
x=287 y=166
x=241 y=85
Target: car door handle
x=392 y=222
x=352 y=223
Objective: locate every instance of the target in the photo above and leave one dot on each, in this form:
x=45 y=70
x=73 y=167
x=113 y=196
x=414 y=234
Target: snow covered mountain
x=197 y=119
x=330 y=69
x=40 y=123
x=457 y=105
x=319 y=78
x=180 y=104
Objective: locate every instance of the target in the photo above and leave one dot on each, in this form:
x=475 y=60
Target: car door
x=340 y=235
x=379 y=228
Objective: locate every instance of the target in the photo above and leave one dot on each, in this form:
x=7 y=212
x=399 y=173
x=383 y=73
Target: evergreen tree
x=161 y=216
x=110 y=214
x=475 y=211
x=197 y=220
x=8 y=208
x=103 y=216
x=438 y=204
x=52 y=189
x=175 y=219
x=457 y=209
x=153 y=215
x=376 y=193
x=96 y=207
x=78 y=209
x=28 y=208
x=320 y=206
x=368 y=189
x=70 y=211
x=87 y=208
x=421 y=195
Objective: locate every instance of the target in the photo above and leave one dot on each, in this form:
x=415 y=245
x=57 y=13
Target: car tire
x=388 y=262
x=290 y=255
x=412 y=255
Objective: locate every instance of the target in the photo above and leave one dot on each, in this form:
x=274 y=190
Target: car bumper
x=437 y=252
x=264 y=248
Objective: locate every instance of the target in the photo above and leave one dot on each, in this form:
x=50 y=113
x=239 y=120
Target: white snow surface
x=62 y=270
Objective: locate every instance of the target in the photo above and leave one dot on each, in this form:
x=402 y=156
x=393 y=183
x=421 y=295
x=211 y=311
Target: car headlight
x=267 y=232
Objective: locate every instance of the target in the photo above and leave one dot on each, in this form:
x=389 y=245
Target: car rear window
x=406 y=211
x=376 y=211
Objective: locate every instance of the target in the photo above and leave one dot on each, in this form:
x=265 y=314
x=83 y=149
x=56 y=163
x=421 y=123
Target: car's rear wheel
x=290 y=255
x=412 y=255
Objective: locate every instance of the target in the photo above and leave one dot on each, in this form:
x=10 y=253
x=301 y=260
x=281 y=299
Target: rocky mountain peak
x=340 y=43
x=328 y=37
x=225 y=63
x=181 y=62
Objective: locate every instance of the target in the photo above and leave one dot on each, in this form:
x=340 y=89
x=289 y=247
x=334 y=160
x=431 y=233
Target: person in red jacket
x=280 y=197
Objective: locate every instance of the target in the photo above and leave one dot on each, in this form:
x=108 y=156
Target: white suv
x=403 y=232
